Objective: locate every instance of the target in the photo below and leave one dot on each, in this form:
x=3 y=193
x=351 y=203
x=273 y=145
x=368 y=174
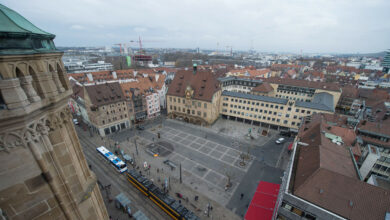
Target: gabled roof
x=104 y=94
x=349 y=91
x=378 y=128
x=78 y=91
x=325 y=175
x=263 y=87
x=303 y=83
x=204 y=84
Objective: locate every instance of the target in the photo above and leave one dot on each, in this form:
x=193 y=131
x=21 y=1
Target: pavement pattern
x=208 y=156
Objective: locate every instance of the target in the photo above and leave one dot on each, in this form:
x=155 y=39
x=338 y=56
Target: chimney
x=195 y=67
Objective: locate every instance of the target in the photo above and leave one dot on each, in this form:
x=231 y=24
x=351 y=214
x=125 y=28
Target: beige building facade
x=275 y=103
x=194 y=96
x=265 y=111
x=194 y=111
x=102 y=107
x=44 y=174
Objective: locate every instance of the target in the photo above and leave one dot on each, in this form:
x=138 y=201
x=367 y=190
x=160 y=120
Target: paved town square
x=210 y=158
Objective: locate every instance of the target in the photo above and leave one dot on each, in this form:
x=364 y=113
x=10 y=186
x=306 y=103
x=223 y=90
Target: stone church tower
x=43 y=171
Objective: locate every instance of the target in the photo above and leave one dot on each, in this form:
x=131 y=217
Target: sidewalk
x=233 y=130
x=189 y=188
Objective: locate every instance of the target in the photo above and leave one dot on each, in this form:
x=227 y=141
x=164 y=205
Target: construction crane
x=120 y=48
x=139 y=41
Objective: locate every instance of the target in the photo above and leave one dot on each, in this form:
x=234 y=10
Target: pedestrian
x=242 y=196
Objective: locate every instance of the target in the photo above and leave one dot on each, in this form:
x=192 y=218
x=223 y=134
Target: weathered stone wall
x=43 y=172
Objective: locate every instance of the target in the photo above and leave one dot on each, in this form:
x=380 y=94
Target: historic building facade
x=194 y=96
x=44 y=174
x=102 y=106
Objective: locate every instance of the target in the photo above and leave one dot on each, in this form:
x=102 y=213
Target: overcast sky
x=270 y=26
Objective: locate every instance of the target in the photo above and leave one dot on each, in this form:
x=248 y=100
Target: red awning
x=263 y=202
x=290 y=147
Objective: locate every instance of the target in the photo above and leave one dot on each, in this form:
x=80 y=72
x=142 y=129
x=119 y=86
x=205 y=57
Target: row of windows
x=294 y=93
x=239 y=87
x=194 y=103
x=263 y=117
x=268 y=111
x=240 y=83
x=113 y=111
x=254 y=103
x=292 y=98
x=254 y=109
x=193 y=112
x=113 y=105
x=259 y=104
x=114 y=119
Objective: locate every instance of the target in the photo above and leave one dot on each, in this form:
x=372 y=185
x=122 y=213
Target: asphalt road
x=262 y=169
x=108 y=175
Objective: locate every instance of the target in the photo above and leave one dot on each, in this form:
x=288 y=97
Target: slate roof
x=104 y=94
x=204 y=84
x=255 y=97
x=321 y=101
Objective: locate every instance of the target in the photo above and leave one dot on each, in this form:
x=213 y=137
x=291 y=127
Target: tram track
x=120 y=181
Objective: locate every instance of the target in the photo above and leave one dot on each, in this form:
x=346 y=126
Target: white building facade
x=153 y=105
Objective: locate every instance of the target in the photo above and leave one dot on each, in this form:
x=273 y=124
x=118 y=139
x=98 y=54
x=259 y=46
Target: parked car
x=140 y=127
x=128 y=159
x=169 y=163
x=280 y=141
x=75 y=121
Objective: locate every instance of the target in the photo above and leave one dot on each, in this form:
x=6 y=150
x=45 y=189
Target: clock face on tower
x=189 y=92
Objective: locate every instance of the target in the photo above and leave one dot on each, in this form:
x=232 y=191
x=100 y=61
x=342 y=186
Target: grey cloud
x=278 y=25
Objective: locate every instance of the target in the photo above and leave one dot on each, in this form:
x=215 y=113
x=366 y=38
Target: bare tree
x=229 y=176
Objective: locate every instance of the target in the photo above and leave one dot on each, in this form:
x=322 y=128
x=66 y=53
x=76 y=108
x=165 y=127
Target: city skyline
x=294 y=26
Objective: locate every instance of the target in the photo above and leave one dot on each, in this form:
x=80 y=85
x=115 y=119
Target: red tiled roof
x=349 y=91
x=104 y=94
x=203 y=82
x=325 y=176
x=143 y=84
x=263 y=87
x=285 y=66
x=377 y=127
x=303 y=83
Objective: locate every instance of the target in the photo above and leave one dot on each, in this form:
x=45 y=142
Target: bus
x=117 y=163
